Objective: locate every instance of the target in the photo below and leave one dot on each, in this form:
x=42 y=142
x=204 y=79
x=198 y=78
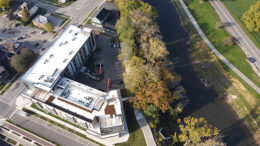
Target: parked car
x=115 y=46
x=20 y=38
x=251 y=59
x=16 y=24
x=43 y=32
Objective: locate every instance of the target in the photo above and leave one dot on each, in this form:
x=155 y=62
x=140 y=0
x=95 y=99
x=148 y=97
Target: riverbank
x=214 y=74
x=207 y=95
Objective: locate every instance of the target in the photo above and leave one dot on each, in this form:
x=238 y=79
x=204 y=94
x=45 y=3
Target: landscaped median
x=208 y=19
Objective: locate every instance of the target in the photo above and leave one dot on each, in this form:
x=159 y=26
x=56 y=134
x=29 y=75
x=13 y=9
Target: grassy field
x=237 y=8
x=222 y=79
x=208 y=24
x=136 y=137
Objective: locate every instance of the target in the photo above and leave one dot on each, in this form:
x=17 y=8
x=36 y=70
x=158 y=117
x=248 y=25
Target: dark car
x=20 y=38
x=251 y=59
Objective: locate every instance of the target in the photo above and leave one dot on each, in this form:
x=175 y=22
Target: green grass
x=2 y=136
x=11 y=141
x=30 y=131
x=208 y=23
x=136 y=137
x=6 y=88
x=237 y=8
x=60 y=125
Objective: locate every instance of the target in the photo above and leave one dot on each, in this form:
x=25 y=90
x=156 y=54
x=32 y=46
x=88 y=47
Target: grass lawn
x=11 y=141
x=237 y=8
x=136 y=137
x=207 y=19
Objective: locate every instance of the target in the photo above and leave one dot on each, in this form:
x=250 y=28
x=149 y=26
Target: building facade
x=49 y=86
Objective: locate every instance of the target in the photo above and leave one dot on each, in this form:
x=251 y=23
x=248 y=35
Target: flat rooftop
x=47 y=69
x=88 y=102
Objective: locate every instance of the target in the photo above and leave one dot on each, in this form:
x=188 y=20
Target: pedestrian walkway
x=145 y=128
x=216 y=52
x=21 y=136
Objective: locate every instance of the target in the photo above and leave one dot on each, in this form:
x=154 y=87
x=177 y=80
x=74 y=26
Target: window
x=92 y=39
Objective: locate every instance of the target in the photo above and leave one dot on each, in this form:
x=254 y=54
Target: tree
x=20 y=62
x=5 y=4
x=196 y=130
x=25 y=16
x=154 y=93
x=251 y=18
x=215 y=141
x=48 y=27
x=153 y=114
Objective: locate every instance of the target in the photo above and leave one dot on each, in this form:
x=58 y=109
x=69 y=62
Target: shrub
x=228 y=41
x=220 y=24
x=48 y=27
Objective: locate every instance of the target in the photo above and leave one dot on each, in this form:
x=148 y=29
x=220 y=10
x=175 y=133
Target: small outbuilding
x=40 y=21
x=100 y=17
x=31 y=7
x=13 y=46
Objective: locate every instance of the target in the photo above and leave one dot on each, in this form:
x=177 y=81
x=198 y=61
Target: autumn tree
x=152 y=114
x=144 y=56
x=196 y=130
x=20 y=62
x=251 y=18
x=25 y=16
x=48 y=27
x=5 y=4
x=154 y=93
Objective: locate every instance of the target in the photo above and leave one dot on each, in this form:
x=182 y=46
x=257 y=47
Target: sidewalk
x=145 y=128
x=216 y=52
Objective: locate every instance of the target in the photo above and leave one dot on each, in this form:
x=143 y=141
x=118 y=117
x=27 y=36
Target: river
x=204 y=102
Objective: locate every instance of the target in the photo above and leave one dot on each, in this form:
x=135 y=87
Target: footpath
x=216 y=52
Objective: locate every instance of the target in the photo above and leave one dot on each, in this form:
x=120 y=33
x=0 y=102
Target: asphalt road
x=78 y=11
x=7 y=100
x=236 y=31
x=50 y=131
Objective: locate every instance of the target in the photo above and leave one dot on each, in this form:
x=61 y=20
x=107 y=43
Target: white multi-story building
x=49 y=86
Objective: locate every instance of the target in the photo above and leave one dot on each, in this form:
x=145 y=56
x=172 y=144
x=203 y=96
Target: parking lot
x=32 y=38
x=111 y=66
